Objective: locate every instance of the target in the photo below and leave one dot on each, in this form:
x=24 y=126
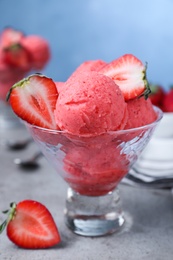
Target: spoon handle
x=36 y=156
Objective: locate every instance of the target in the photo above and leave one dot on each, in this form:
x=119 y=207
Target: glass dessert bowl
x=93 y=166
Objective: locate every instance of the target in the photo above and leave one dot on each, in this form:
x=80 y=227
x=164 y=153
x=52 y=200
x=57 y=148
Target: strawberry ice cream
x=59 y=86
x=88 y=66
x=90 y=105
x=88 y=166
x=87 y=112
x=140 y=112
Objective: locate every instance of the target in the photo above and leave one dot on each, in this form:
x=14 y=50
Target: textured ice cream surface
x=90 y=65
x=95 y=171
x=59 y=85
x=91 y=104
x=140 y=113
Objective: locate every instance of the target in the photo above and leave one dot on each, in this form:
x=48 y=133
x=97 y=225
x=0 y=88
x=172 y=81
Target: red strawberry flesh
x=31 y=225
x=129 y=74
x=33 y=99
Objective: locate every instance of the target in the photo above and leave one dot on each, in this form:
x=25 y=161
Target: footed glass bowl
x=93 y=166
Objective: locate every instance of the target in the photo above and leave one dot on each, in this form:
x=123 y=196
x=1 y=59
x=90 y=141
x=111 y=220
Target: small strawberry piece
x=39 y=50
x=168 y=101
x=33 y=99
x=10 y=36
x=129 y=74
x=16 y=55
x=31 y=225
x=157 y=95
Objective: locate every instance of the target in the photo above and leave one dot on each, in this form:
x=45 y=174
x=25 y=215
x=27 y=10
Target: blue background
x=80 y=30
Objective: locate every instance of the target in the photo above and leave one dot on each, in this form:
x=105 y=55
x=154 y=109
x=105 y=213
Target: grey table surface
x=147 y=233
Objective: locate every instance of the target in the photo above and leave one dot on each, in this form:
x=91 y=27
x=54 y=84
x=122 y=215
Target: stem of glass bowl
x=93 y=215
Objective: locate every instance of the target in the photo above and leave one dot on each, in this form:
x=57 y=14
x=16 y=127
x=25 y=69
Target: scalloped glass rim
x=118 y=132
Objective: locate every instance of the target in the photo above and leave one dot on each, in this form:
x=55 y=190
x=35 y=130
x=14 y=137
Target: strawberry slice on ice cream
x=30 y=225
x=129 y=74
x=33 y=99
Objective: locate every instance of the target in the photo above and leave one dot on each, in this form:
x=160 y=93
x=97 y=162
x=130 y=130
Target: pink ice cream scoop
x=90 y=103
x=140 y=112
x=100 y=168
x=59 y=86
x=90 y=65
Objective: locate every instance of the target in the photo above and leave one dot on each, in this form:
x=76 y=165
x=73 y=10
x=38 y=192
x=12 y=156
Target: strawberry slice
x=129 y=74
x=33 y=99
x=30 y=225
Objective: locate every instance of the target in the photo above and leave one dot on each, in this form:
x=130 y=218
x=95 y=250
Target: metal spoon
x=29 y=164
x=137 y=177
x=18 y=145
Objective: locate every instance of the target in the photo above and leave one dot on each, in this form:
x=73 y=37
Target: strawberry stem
x=3 y=226
x=147 y=90
x=11 y=213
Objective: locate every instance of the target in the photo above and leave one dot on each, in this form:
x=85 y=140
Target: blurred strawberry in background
x=19 y=55
x=157 y=95
x=167 y=105
x=38 y=50
x=9 y=36
x=162 y=99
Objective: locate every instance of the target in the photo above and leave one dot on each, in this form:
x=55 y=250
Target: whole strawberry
x=17 y=56
x=12 y=53
x=38 y=49
x=10 y=36
x=30 y=225
x=157 y=95
x=168 y=101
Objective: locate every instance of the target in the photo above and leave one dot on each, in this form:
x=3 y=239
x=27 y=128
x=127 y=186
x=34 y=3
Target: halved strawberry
x=33 y=99
x=16 y=55
x=30 y=225
x=129 y=74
